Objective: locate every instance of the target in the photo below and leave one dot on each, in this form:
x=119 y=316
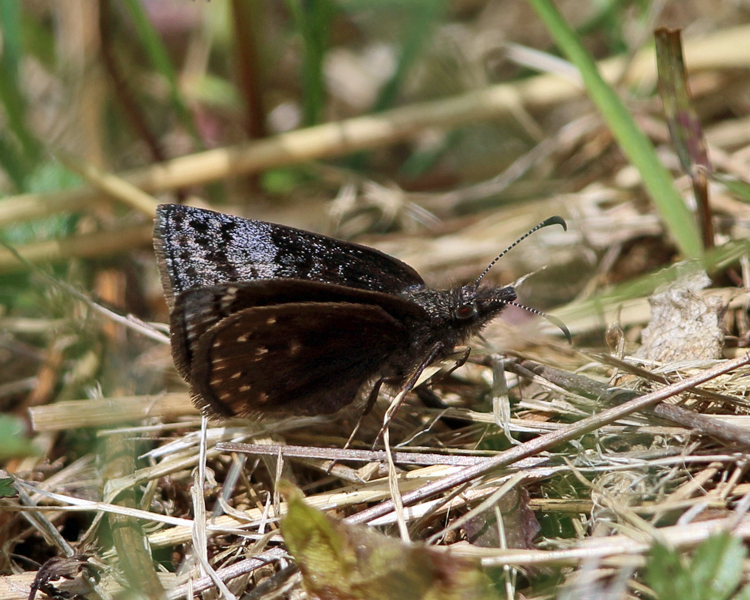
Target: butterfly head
x=476 y=304
x=480 y=304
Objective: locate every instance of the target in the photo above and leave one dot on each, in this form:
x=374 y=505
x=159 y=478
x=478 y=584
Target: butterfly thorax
x=455 y=315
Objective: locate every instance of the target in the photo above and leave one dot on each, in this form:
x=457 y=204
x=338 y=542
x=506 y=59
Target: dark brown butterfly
x=271 y=320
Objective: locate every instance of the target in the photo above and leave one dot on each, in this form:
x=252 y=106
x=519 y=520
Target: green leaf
x=738 y=187
x=13 y=441
x=160 y=61
x=7 y=489
x=717 y=566
x=216 y=91
x=313 y=21
x=714 y=572
x=283 y=180
x=12 y=162
x=422 y=18
x=665 y=574
x=349 y=562
x=11 y=95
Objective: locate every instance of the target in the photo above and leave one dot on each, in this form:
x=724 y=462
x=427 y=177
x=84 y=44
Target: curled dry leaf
x=520 y=525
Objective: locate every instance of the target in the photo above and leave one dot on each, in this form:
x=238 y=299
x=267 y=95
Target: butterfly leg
x=460 y=362
x=372 y=398
x=406 y=388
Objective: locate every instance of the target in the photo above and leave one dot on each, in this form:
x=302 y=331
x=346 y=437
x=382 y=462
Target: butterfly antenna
x=550 y=318
x=545 y=223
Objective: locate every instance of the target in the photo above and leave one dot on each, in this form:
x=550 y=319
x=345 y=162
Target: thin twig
x=338 y=454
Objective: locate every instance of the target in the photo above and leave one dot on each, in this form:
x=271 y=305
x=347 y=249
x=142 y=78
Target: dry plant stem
x=695 y=484
x=17 y=587
x=73 y=414
x=133 y=558
x=649 y=376
x=597 y=391
x=376 y=491
x=251 y=77
x=73 y=504
x=102 y=243
x=705 y=214
x=200 y=550
x=112 y=185
x=403 y=529
x=617 y=547
x=199 y=533
x=684 y=124
x=45 y=528
x=724 y=49
x=549 y=440
x=200 y=538
x=402 y=458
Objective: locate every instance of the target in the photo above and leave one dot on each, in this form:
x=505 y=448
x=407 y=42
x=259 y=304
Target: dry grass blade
x=92 y=245
x=681 y=416
x=684 y=124
x=406 y=458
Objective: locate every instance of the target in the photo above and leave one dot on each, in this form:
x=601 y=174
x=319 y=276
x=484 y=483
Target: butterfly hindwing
x=296 y=358
x=198 y=310
x=197 y=248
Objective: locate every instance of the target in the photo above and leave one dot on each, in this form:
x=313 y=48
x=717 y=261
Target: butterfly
x=269 y=320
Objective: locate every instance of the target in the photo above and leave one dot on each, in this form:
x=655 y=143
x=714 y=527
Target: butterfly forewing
x=198 y=248
x=243 y=367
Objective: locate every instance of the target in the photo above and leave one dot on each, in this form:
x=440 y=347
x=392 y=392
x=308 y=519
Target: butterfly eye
x=466 y=311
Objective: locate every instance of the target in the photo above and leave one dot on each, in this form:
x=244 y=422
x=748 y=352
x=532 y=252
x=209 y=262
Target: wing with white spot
x=297 y=358
x=196 y=311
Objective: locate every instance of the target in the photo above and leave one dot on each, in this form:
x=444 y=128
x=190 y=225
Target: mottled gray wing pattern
x=198 y=248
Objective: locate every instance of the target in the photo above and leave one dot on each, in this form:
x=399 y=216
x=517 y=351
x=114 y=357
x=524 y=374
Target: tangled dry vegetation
x=556 y=466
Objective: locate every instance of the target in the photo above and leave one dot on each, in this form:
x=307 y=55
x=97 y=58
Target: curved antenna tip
x=547 y=222
x=554 y=320
x=555 y=221
x=561 y=325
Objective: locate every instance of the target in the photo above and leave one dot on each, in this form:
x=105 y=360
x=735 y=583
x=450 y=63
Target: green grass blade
x=423 y=19
x=11 y=95
x=313 y=21
x=12 y=163
x=160 y=61
x=636 y=146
